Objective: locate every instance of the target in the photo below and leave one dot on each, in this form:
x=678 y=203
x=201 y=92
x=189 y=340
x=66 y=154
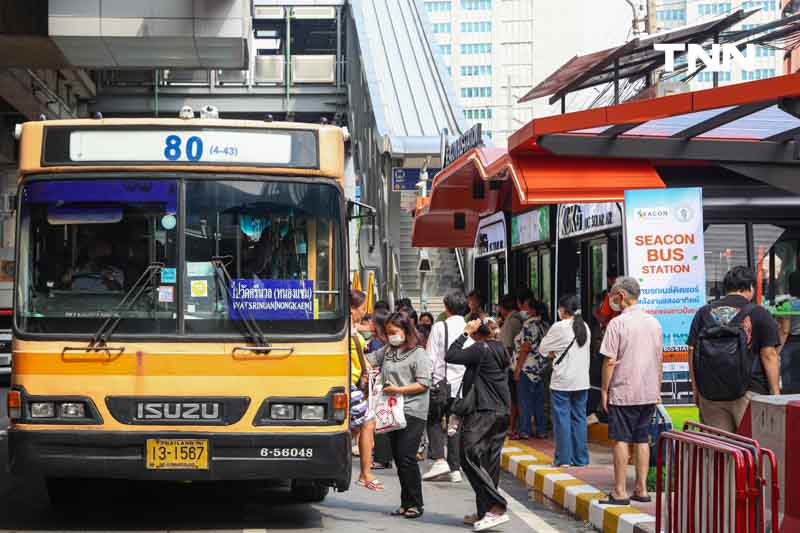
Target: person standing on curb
x=632 y=350
x=527 y=371
x=733 y=353
x=567 y=344
x=442 y=336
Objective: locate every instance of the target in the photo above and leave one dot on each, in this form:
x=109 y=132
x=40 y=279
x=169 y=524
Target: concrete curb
x=573 y=495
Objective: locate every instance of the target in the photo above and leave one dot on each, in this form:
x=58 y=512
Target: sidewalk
x=577 y=490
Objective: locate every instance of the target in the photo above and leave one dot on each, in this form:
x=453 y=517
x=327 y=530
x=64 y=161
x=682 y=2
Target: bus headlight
x=72 y=410
x=313 y=412
x=281 y=411
x=43 y=410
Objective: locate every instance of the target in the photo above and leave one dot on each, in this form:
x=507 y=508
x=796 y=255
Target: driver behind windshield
x=97 y=272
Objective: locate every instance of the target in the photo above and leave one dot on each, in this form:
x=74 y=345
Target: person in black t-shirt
x=483 y=430
x=763 y=340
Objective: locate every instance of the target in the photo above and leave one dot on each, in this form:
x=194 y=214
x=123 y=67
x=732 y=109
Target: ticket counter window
x=725 y=248
x=775 y=250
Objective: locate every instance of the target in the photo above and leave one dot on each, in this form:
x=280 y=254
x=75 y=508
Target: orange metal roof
x=642 y=111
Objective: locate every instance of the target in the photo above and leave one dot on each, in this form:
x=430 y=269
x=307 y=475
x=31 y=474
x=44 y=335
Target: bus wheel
x=309 y=493
x=62 y=492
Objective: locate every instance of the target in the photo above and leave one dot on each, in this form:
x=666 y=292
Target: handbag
x=389 y=410
x=467 y=404
x=440 y=392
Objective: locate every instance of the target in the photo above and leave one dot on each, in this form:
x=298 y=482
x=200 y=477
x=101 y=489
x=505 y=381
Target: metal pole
x=339 y=63
x=288 y=57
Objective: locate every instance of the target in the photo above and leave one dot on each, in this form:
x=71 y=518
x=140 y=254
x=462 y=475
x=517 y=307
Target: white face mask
x=614 y=305
x=523 y=315
x=397 y=340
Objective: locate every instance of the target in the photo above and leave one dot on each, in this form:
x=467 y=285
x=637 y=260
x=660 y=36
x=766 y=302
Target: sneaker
x=438 y=469
x=455 y=477
x=490 y=521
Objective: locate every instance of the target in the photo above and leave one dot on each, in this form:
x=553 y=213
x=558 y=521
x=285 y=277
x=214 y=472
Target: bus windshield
x=84 y=244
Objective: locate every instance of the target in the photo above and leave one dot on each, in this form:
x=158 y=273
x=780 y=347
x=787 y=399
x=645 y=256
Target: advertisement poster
x=533 y=226
x=664 y=245
x=272 y=299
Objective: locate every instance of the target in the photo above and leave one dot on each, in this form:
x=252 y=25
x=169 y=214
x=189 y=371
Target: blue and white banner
x=272 y=299
x=664 y=244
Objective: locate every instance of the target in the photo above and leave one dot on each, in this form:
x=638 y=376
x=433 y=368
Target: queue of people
x=469 y=381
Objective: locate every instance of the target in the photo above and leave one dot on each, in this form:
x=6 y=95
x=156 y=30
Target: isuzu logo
x=178 y=411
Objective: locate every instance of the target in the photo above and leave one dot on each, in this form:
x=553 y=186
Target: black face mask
x=425 y=329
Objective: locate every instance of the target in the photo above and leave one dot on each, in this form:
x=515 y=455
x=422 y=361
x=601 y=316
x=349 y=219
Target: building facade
x=496 y=50
x=768 y=61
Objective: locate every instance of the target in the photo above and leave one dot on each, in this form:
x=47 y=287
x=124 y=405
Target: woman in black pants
x=406 y=370
x=483 y=429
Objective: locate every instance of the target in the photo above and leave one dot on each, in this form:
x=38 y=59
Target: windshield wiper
x=145 y=281
x=221 y=274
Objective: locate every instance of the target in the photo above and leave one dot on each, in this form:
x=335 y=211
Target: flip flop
x=641 y=499
x=374 y=485
x=611 y=500
x=412 y=513
x=398 y=512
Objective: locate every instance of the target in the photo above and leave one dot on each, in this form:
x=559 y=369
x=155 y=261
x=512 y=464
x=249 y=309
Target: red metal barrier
x=715 y=483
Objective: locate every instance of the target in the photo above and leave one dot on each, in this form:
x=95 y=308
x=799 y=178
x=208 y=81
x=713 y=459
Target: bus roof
x=328 y=163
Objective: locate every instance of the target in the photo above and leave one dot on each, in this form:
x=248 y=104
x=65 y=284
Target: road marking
x=531 y=520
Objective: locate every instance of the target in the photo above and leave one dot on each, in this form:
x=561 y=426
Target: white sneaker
x=491 y=520
x=455 y=477
x=439 y=468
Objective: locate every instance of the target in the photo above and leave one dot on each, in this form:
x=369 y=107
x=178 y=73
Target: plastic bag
x=389 y=409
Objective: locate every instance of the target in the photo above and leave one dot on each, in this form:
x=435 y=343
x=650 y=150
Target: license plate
x=177 y=454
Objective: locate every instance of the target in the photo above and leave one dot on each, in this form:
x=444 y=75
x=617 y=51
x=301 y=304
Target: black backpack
x=723 y=363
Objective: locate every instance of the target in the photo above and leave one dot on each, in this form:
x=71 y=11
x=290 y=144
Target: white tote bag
x=389 y=409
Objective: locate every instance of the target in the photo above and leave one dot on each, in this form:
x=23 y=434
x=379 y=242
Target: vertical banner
x=664 y=245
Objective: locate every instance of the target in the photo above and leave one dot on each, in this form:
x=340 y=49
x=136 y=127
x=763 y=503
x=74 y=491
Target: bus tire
x=309 y=493
x=62 y=492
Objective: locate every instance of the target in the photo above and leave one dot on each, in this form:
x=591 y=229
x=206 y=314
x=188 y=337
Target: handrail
x=460 y=263
x=398 y=281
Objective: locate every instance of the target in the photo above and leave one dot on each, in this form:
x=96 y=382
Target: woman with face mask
x=528 y=373
x=406 y=369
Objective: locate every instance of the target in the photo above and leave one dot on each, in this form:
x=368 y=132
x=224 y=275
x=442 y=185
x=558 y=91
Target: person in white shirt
x=443 y=334
x=567 y=343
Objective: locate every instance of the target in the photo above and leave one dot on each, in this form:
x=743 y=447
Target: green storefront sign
x=533 y=226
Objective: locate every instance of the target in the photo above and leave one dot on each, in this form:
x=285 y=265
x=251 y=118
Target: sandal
x=642 y=499
x=382 y=466
x=514 y=436
x=412 y=513
x=611 y=500
x=374 y=485
x=400 y=511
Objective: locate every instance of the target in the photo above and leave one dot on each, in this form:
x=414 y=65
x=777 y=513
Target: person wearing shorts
x=631 y=386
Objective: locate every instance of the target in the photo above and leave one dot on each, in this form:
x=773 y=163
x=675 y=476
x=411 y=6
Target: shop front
x=490 y=263
x=531 y=257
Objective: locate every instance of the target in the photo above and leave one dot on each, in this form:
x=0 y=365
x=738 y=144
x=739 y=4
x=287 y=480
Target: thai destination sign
x=272 y=299
x=664 y=241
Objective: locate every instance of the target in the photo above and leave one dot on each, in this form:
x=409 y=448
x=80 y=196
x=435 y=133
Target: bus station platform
x=577 y=490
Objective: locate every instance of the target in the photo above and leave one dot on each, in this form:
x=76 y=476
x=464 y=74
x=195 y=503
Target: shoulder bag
x=440 y=392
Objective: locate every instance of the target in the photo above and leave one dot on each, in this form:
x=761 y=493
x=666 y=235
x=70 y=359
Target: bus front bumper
x=121 y=455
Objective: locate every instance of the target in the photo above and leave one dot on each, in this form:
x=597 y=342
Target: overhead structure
x=750 y=129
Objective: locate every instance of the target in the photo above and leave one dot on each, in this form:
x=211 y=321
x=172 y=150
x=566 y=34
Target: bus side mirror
x=358 y=210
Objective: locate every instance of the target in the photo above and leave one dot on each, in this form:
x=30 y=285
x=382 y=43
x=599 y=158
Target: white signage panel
x=189 y=146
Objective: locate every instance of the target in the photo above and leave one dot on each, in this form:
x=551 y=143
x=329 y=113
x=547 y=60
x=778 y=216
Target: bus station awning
x=486 y=180
x=752 y=129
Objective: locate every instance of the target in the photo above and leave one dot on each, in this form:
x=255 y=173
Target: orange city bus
x=181 y=310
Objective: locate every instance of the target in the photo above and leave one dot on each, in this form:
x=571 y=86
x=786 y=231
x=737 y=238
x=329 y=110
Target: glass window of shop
x=725 y=248
x=775 y=252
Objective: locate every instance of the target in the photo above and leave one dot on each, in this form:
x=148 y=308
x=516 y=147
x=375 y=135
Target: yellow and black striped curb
x=535 y=470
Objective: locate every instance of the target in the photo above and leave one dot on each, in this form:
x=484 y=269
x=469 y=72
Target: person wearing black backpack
x=483 y=403
x=733 y=352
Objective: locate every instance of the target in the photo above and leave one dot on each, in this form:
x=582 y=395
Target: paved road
x=250 y=509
